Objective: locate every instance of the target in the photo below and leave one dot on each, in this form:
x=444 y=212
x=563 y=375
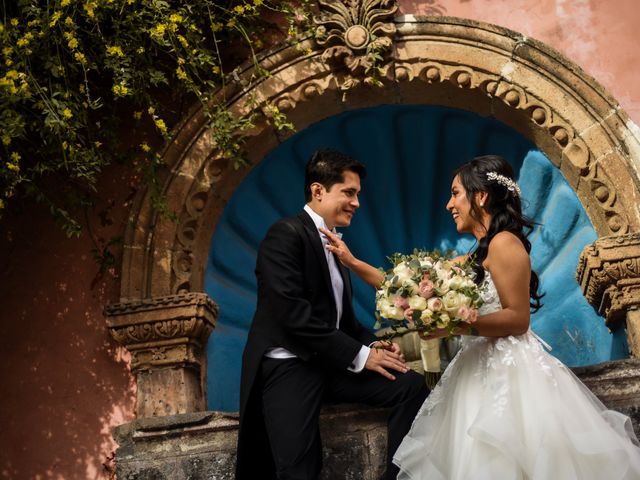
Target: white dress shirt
x=338 y=288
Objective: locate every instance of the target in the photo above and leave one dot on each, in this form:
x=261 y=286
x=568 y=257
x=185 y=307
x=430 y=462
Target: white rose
x=416 y=302
x=464 y=300
x=442 y=272
x=456 y=283
x=443 y=320
x=411 y=286
x=447 y=264
x=426 y=316
x=452 y=301
x=443 y=285
x=401 y=268
x=392 y=312
x=426 y=263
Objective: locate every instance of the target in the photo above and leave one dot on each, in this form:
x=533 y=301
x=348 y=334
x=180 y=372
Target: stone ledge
x=202 y=445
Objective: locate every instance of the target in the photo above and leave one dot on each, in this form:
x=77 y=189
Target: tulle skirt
x=506 y=409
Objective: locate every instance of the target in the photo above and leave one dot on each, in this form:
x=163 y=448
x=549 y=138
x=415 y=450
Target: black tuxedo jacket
x=295 y=310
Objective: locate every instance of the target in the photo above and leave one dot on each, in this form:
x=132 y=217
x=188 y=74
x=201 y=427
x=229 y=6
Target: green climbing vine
x=77 y=76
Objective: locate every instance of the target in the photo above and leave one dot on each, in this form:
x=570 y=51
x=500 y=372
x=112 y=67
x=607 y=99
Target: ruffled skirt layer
x=506 y=409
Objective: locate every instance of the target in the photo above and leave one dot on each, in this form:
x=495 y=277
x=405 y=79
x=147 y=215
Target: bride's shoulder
x=506 y=244
x=504 y=239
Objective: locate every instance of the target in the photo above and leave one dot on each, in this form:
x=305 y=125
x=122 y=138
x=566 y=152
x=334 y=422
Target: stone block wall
x=201 y=446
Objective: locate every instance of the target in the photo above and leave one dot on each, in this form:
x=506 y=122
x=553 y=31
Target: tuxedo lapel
x=318 y=248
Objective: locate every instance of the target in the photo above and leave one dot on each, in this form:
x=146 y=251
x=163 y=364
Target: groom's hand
x=381 y=360
x=388 y=345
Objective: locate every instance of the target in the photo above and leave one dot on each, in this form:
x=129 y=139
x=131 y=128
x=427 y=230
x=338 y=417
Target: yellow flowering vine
x=70 y=68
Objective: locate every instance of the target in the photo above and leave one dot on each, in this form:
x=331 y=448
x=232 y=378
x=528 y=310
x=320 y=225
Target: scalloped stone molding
x=433 y=60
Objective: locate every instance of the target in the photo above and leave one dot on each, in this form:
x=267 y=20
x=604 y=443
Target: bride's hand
x=369 y=274
x=337 y=246
x=439 y=333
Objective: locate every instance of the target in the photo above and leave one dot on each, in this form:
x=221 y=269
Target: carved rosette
x=356 y=35
x=609 y=274
x=169 y=331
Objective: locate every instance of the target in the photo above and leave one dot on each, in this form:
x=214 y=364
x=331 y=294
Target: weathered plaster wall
x=64 y=384
x=600 y=36
x=63 y=381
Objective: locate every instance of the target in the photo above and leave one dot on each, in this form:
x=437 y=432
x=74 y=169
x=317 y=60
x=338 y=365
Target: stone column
x=609 y=274
x=167 y=339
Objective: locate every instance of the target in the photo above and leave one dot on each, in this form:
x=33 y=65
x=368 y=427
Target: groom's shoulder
x=292 y=225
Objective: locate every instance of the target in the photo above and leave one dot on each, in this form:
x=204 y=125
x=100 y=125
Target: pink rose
x=463 y=313
x=434 y=304
x=408 y=315
x=426 y=288
x=473 y=316
x=401 y=302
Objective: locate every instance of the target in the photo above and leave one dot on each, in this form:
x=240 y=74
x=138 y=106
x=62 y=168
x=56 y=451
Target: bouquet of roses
x=426 y=291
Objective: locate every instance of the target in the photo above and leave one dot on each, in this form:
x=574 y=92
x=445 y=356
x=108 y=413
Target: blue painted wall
x=410 y=152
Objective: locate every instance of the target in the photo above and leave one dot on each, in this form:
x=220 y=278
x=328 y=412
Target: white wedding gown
x=506 y=409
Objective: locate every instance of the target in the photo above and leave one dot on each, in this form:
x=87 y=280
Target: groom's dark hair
x=327 y=167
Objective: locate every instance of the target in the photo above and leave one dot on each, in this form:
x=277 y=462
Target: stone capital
x=163 y=331
x=167 y=337
x=609 y=275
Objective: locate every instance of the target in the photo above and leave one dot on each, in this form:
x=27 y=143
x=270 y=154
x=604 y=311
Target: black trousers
x=293 y=392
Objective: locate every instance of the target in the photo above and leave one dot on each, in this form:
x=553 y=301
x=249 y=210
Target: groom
x=305 y=346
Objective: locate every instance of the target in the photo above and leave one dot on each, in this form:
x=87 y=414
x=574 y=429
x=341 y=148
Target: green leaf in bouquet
x=395 y=258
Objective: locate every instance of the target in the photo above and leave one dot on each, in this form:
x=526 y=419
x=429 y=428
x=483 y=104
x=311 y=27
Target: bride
x=504 y=407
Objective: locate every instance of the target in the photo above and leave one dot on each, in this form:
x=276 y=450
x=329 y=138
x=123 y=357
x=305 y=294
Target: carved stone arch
x=442 y=61
x=433 y=60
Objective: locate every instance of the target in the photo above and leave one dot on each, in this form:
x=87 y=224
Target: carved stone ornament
x=355 y=34
x=169 y=331
x=609 y=274
x=444 y=61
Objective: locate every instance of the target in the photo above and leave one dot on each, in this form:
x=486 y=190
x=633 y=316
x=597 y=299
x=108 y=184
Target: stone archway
x=164 y=319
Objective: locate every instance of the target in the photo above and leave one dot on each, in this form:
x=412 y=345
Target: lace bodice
x=489 y=295
x=491 y=354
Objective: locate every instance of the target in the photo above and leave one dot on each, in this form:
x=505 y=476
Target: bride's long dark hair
x=503 y=205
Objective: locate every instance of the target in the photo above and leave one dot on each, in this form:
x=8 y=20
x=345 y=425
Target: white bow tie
x=325 y=239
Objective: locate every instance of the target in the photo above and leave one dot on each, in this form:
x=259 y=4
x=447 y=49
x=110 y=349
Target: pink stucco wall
x=64 y=383
x=600 y=36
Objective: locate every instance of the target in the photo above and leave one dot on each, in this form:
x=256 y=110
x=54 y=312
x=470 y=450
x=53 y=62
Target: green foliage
x=76 y=76
x=103 y=255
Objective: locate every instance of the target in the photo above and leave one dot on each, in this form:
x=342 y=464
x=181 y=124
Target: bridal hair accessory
x=511 y=185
